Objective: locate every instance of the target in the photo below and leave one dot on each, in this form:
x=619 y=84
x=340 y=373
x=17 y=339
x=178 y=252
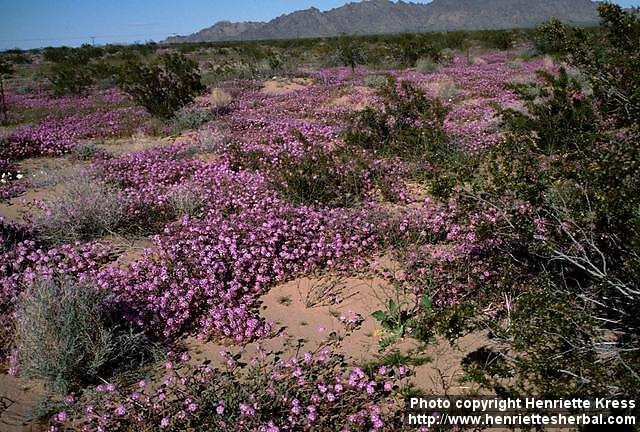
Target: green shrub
x=408 y=125
x=409 y=49
x=348 y=53
x=163 y=86
x=68 y=335
x=56 y=54
x=561 y=101
x=323 y=177
x=498 y=39
x=86 y=152
x=564 y=241
x=190 y=119
x=70 y=77
x=6 y=70
x=375 y=81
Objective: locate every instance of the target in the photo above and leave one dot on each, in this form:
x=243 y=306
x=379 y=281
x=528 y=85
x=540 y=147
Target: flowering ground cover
x=225 y=234
x=439 y=186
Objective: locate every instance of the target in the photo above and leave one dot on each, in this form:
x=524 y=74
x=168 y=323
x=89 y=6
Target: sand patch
x=357 y=98
x=308 y=312
x=18 y=400
x=134 y=144
x=284 y=86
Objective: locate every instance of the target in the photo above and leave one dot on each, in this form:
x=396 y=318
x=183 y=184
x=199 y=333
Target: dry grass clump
x=86 y=209
x=220 y=100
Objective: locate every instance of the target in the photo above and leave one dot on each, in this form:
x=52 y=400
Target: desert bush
x=409 y=124
x=163 y=86
x=340 y=177
x=56 y=54
x=86 y=152
x=609 y=58
x=375 y=81
x=17 y=56
x=317 y=178
x=560 y=238
x=561 y=101
x=6 y=70
x=409 y=49
x=67 y=334
x=86 y=209
x=186 y=201
x=220 y=100
x=448 y=91
x=190 y=118
x=498 y=39
x=426 y=65
x=70 y=76
x=348 y=53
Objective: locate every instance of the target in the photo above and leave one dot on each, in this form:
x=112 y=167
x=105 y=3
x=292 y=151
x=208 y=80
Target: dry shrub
x=66 y=334
x=220 y=100
x=85 y=210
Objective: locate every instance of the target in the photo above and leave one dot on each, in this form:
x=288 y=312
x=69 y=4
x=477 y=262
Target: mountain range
x=385 y=16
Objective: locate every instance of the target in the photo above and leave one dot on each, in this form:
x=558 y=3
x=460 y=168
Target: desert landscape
x=297 y=234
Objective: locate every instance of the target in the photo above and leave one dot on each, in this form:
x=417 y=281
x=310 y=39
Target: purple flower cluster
x=309 y=392
x=206 y=274
x=53 y=136
x=44 y=100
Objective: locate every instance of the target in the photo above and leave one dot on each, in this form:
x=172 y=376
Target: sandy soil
x=284 y=85
x=18 y=400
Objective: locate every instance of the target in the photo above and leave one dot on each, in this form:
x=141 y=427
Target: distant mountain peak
x=386 y=16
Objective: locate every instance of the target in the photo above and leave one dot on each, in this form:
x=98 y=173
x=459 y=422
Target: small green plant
x=398 y=315
x=162 y=86
x=426 y=65
x=86 y=152
x=375 y=81
x=190 y=119
x=285 y=300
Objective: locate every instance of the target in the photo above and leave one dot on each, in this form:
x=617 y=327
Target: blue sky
x=36 y=23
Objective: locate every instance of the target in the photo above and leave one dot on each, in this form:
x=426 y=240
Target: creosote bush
x=341 y=177
x=70 y=77
x=408 y=125
x=162 y=86
x=348 y=52
x=548 y=258
x=409 y=49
